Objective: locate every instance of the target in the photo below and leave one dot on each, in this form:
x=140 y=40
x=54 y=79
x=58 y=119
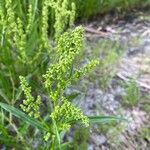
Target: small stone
x=98 y=139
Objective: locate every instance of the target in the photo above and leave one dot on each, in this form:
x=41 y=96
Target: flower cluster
x=58 y=75
x=72 y=14
x=20 y=41
x=70 y=44
x=44 y=28
x=63 y=16
x=66 y=114
x=15 y=31
x=30 y=105
x=11 y=25
x=10 y=16
x=87 y=68
x=30 y=19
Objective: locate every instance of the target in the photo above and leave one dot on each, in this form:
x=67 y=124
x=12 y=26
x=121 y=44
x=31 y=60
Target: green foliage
x=110 y=53
x=105 y=129
x=144 y=133
x=105 y=119
x=133 y=94
x=89 y=8
x=145 y=103
x=80 y=139
x=61 y=74
x=23 y=116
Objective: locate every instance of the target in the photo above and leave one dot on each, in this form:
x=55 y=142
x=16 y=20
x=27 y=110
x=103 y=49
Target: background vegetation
x=89 y=8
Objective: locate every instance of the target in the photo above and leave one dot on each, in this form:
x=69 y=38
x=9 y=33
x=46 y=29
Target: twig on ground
x=93 y=31
x=141 y=84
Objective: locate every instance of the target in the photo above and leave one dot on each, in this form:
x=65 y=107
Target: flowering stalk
x=56 y=80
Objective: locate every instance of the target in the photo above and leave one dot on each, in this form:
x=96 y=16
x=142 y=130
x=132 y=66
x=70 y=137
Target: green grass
x=133 y=95
x=145 y=103
x=80 y=139
x=89 y=8
x=109 y=52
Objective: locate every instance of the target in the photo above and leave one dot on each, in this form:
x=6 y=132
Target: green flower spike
x=30 y=105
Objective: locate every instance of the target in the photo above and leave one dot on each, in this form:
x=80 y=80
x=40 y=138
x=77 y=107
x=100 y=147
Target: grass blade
x=105 y=119
x=21 y=115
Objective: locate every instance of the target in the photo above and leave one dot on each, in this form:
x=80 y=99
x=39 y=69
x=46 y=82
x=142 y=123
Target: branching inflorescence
x=30 y=105
x=57 y=78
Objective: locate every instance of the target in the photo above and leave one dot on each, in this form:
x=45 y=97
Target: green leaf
x=23 y=128
x=72 y=96
x=16 y=112
x=105 y=119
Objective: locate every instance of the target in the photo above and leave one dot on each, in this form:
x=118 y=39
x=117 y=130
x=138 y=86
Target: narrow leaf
x=21 y=115
x=105 y=119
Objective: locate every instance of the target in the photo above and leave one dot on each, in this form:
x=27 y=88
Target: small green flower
x=44 y=29
x=59 y=75
x=66 y=114
x=30 y=105
x=30 y=19
x=47 y=136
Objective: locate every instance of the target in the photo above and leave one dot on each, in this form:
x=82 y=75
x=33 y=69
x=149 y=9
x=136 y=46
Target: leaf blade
x=105 y=119
x=21 y=115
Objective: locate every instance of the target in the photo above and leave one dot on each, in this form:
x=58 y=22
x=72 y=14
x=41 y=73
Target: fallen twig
x=141 y=84
x=91 y=30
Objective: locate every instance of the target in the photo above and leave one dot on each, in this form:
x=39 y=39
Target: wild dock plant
x=58 y=76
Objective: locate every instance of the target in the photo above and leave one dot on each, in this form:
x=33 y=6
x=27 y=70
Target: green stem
x=2 y=36
x=58 y=136
x=13 y=88
x=2 y=116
